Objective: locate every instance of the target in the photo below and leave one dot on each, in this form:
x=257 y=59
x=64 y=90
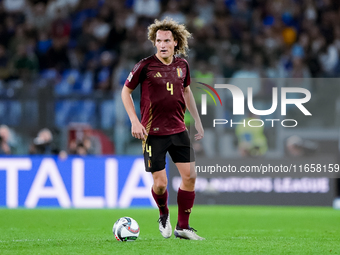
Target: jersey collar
x=173 y=60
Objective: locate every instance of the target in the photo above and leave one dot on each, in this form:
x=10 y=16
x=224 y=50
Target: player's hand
x=138 y=131
x=200 y=131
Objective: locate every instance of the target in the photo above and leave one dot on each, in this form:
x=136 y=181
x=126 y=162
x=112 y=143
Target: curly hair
x=179 y=32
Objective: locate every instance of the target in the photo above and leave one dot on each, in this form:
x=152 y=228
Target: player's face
x=165 y=44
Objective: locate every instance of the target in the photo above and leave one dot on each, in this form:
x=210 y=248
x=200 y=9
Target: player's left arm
x=191 y=105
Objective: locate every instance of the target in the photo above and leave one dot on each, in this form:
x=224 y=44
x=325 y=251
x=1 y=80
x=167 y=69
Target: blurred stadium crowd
x=86 y=48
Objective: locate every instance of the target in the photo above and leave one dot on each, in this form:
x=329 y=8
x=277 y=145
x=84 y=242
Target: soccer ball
x=125 y=229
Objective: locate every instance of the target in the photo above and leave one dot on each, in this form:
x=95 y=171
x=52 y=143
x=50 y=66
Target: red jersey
x=162 y=99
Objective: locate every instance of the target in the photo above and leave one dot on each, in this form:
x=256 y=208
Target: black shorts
x=156 y=147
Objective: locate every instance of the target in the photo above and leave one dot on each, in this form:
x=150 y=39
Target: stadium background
x=63 y=64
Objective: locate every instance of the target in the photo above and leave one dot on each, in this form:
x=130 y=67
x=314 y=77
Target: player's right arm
x=137 y=129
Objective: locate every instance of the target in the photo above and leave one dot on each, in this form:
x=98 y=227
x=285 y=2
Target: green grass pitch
x=227 y=229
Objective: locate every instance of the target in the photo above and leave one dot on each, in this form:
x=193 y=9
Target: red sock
x=161 y=201
x=185 y=201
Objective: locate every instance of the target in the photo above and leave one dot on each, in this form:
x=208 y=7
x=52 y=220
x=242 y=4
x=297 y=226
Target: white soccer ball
x=125 y=229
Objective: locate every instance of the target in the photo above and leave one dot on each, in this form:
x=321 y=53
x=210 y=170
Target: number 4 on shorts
x=148 y=150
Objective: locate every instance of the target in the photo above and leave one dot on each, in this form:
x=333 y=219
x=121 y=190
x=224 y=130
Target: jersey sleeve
x=187 y=80
x=133 y=79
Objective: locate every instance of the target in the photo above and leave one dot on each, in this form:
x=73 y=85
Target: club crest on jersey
x=179 y=72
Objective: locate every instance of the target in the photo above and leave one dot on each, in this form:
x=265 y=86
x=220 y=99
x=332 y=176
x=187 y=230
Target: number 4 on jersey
x=169 y=87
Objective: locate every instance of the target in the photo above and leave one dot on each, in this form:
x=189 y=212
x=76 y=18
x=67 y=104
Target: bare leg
x=160 y=182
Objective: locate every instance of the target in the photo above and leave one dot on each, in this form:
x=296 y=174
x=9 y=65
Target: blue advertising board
x=75 y=182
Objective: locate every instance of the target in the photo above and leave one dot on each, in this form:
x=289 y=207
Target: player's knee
x=160 y=186
x=160 y=190
x=189 y=181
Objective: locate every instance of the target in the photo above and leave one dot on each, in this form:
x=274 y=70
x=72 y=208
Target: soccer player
x=165 y=95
